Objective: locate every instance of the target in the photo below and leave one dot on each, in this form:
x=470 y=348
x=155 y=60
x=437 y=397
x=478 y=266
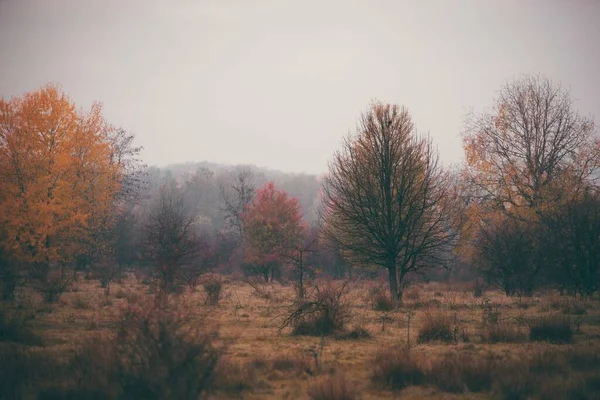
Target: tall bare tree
x=236 y=196
x=386 y=200
x=533 y=151
x=170 y=241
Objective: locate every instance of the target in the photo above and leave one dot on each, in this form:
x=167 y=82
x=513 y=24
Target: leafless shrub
x=53 y=285
x=332 y=387
x=214 y=290
x=260 y=289
x=325 y=311
x=155 y=354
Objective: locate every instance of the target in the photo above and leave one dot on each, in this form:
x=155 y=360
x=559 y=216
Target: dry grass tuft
x=436 y=326
x=80 y=302
x=397 y=368
x=459 y=372
x=501 y=332
x=380 y=300
x=332 y=387
x=412 y=294
x=297 y=363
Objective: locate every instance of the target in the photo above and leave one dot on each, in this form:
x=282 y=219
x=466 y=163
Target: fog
x=278 y=84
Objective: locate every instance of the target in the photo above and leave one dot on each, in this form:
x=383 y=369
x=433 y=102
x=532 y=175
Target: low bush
x=325 y=312
x=155 y=354
x=397 y=368
x=381 y=300
x=214 y=290
x=436 y=326
x=332 y=387
x=551 y=328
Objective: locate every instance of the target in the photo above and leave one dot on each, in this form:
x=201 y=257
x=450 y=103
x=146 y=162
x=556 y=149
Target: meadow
x=446 y=341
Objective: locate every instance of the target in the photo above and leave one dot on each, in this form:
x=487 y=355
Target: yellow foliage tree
x=533 y=153
x=58 y=176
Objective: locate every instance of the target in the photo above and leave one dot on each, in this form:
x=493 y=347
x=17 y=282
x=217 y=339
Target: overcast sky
x=279 y=83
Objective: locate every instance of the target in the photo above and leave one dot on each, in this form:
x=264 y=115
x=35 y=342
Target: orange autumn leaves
x=56 y=175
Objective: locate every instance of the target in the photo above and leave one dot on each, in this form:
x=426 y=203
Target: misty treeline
x=522 y=212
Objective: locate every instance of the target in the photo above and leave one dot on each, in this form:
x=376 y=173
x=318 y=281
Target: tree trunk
x=266 y=273
x=393 y=278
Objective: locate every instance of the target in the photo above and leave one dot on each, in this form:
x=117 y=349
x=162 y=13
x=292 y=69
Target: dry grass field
x=443 y=343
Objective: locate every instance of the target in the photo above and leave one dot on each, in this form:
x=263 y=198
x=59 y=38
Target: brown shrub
x=436 y=326
x=332 y=387
x=380 y=300
x=214 y=290
x=551 y=328
x=397 y=368
x=155 y=354
x=325 y=312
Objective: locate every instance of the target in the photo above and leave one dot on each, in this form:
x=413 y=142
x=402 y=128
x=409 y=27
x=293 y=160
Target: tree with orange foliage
x=533 y=153
x=273 y=227
x=531 y=157
x=58 y=177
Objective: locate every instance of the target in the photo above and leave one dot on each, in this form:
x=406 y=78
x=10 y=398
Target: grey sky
x=279 y=83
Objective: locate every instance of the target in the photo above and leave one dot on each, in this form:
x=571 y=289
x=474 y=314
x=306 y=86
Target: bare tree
x=508 y=256
x=170 y=241
x=533 y=150
x=302 y=271
x=236 y=196
x=386 y=199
